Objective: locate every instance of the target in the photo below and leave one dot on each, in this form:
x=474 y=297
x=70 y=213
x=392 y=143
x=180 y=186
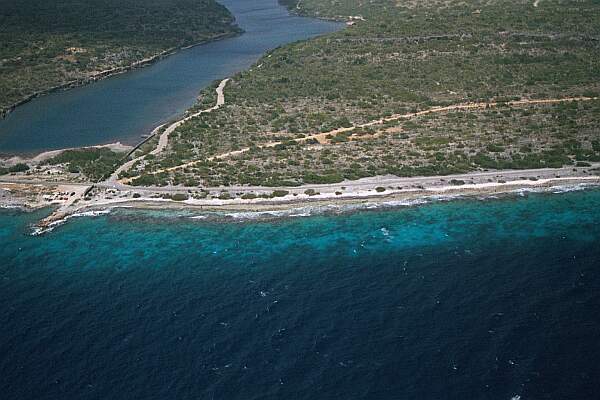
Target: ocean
x=466 y=299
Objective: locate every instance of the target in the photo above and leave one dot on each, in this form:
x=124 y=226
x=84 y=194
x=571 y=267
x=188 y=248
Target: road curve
x=163 y=140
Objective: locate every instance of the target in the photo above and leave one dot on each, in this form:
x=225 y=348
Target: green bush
x=322 y=179
x=95 y=163
x=20 y=167
x=494 y=148
x=147 y=180
x=279 y=193
x=40 y=40
x=179 y=197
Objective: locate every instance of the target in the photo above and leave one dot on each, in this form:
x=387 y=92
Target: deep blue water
x=462 y=300
x=123 y=107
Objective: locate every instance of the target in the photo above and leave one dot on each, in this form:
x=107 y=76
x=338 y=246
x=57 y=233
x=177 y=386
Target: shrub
x=320 y=179
x=145 y=180
x=494 y=148
x=280 y=193
x=380 y=189
x=179 y=197
x=20 y=167
x=95 y=163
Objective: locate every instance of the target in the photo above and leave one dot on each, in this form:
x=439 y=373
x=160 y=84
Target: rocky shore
x=75 y=198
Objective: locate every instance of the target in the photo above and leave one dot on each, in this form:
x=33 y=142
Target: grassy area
x=15 y=168
x=50 y=43
x=94 y=163
x=400 y=57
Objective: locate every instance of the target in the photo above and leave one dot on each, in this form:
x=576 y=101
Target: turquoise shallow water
x=482 y=299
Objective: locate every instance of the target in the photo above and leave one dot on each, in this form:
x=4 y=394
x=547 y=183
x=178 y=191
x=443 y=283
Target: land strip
x=380 y=189
x=493 y=80
x=54 y=46
x=412 y=100
x=163 y=140
x=323 y=138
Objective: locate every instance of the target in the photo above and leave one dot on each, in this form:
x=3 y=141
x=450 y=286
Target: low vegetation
x=94 y=163
x=20 y=167
x=399 y=57
x=44 y=44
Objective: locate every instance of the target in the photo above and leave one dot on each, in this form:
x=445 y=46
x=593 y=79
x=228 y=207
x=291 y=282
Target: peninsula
x=411 y=100
x=48 y=46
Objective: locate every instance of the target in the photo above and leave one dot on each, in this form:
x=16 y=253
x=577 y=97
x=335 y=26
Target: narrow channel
x=124 y=107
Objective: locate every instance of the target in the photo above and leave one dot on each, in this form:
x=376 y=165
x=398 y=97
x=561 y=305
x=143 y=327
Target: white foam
x=11 y=206
x=571 y=188
x=53 y=225
x=95 y=213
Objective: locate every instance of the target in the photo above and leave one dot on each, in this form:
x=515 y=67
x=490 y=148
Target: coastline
x=284 y=209
x=77 y=199
x=71 y=198
x=367 y=197
x=36 y=159
x=4 y=112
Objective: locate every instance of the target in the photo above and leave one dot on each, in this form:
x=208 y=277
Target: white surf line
x=163 y=140
x=355 y=193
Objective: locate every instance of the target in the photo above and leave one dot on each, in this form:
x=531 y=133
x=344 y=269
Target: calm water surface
x=463 y=300
x=124 y=107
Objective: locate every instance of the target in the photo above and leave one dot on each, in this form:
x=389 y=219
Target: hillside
x=311 y=112
x=44 y=44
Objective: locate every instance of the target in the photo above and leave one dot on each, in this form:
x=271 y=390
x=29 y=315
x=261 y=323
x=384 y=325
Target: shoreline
x=72 y=199
x=278 y=210
x=117 y=147
x=5 y=112
x=365 y=197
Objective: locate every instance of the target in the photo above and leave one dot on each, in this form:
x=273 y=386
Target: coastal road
x=365 y=183
x=371 y=182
